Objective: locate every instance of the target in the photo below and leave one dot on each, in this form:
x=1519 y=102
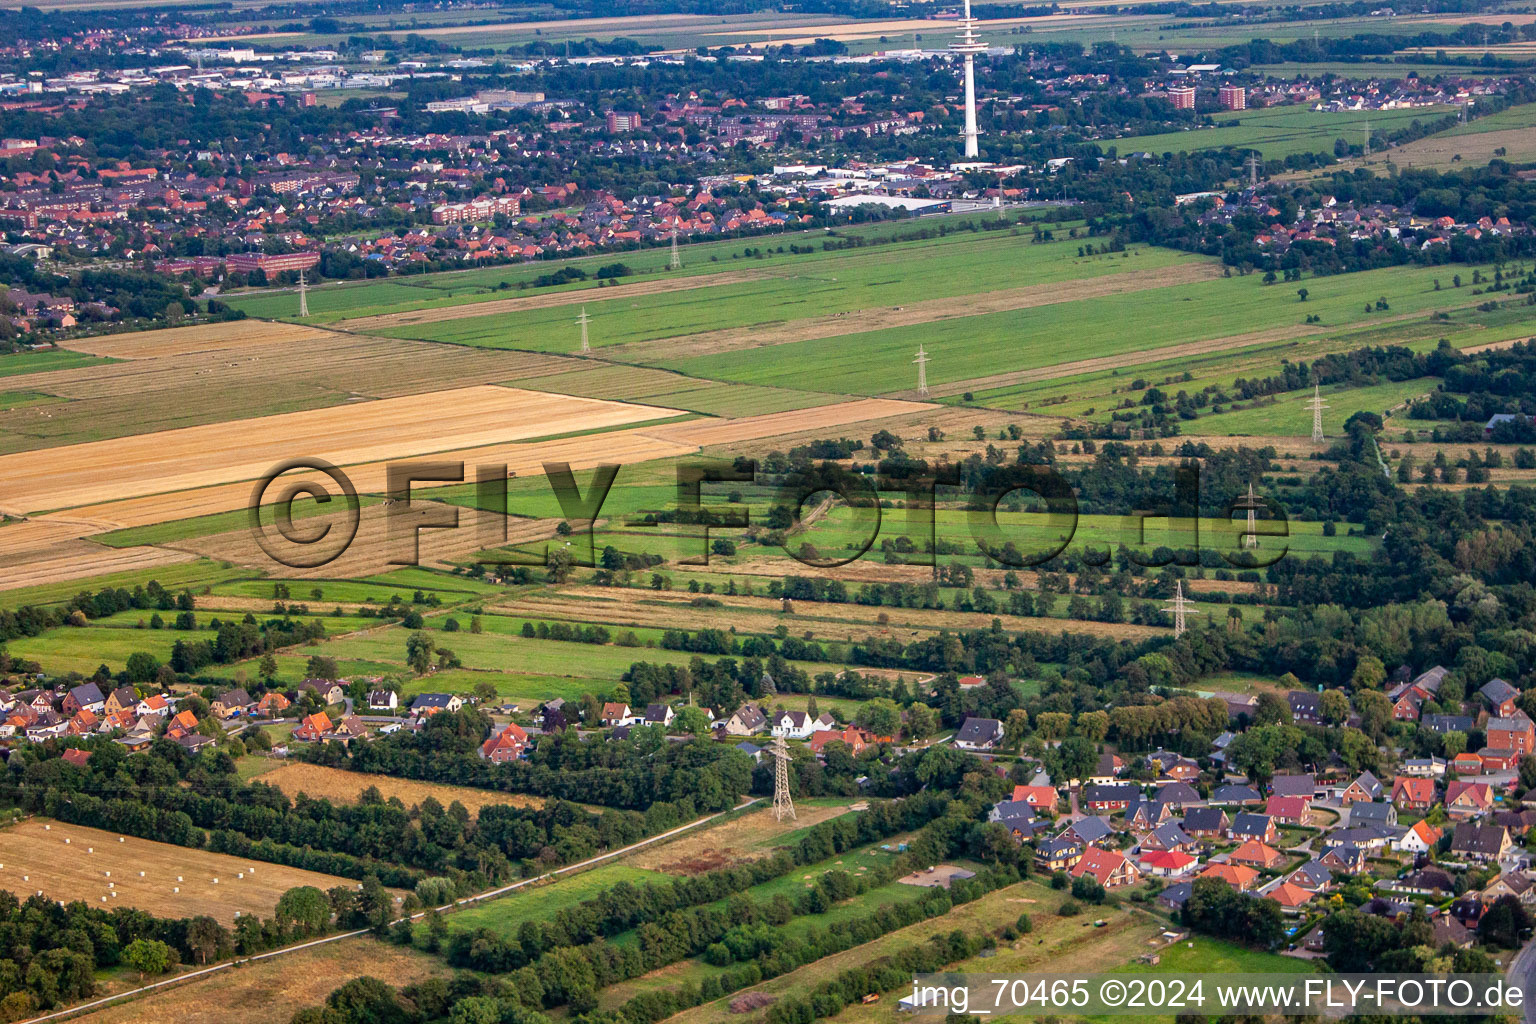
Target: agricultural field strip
x=761 y=615
x=383 y=323
x=192 y=457
x=919 y=312
x=347 y=787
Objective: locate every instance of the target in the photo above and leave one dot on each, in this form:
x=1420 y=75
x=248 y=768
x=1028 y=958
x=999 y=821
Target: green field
x=1281 y=132
x=818 y=285
x=1287 y=415
x=535 y=903
x=345 y=300
x=967 y=348
x=16 y=363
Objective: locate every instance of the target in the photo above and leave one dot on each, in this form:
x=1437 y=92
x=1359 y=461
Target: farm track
x=833 y=325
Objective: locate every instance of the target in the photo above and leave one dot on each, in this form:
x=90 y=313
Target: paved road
x=490 y=895
x=1522 y=972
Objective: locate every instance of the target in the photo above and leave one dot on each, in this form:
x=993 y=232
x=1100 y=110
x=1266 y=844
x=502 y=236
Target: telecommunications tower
x=969 y=45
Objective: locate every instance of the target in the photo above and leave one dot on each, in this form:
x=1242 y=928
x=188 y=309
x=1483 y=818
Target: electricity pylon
x=1317 y=405
x=783 y=803
x=922 y=371
x=584 y=320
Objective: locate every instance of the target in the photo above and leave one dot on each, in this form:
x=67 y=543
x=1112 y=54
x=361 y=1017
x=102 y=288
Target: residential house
x=1365 y=787
x=232 y=704
x=1238 y=876
x=1382 y=814
x=1018 y=818
x=182 y=723
x=1169 y=836
x=273 y=704
x=154 y=706
x=979 y=734
x=662 y=716
x=1107 y=867
x=856 y=739
x=617 y=713
x=1421 y=837
x=1175 y=896
x=124 y=698
x=1257 y=855
x=1088 y=831
x=506 y=744
x=1292 y=898
x=1513 y=733
x=427 y=704
x=1468 y=799
x=1288 y=810
x=1501 y=698
x=748 y=720
x=1511 y=883
x=313 y=729
x=1471 y=841
x=1468 y=762
x=1426 y=881
x=1107 y=799
x=328 y=691
x=1254 y=826
x=1312 y=876
x=1057 y=854
x=1236 y=795
x=1413 y=793
x=1425 y=767
x=350 y=728
x=1306 y=707
x=1304 y=786
x=1442 y=724
x=1178 y=795
x=1346 y=857
x=383 y=700
x=1041 y=798
x=1142 y=813
x=76 y=757
x=1206 y=822
x=792 y=725
x=1166 y=863
x=85 y=697
x=1107 y=769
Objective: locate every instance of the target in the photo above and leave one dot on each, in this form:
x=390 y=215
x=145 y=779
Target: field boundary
x=491 y=894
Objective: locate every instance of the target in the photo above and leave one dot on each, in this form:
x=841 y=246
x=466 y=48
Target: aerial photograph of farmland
x=767 y=511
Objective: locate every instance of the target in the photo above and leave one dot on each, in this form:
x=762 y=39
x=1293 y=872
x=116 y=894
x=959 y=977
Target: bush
x=1069 y=909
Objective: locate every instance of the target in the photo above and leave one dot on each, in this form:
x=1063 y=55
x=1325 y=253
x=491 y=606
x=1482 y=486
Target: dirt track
x=499 y=307
x=920 y=312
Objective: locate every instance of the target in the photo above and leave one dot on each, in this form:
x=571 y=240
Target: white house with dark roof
x=979 y=734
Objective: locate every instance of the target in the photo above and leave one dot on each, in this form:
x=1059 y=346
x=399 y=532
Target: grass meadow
x=1282 y=131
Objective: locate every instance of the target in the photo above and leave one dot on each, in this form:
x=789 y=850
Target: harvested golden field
x=293 y=369
x=180 y=341
x=522 y=458
x=346 y=787
x=58 y=561
x=834 y=325
x=745 y=837
x=35 y=856
x=704 y=433
x=501 y=307
x=274 y=989
x=394 y=428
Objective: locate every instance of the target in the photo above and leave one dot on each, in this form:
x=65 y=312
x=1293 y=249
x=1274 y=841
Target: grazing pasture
x=36 y=857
